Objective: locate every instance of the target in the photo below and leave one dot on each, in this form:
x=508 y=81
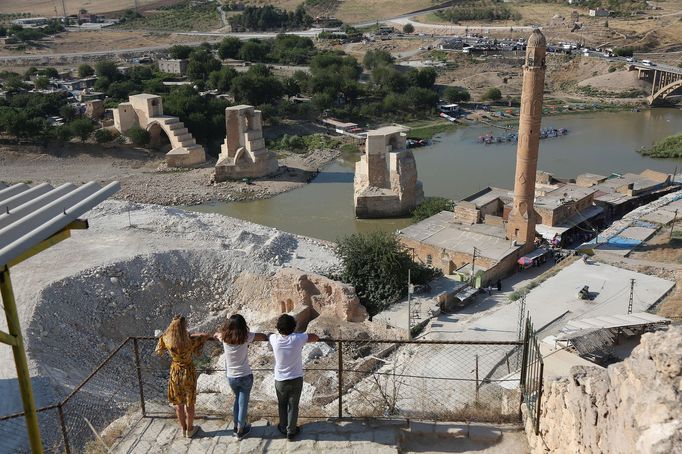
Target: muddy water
x=455 y=165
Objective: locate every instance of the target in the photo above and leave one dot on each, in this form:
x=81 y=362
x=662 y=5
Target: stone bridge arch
x=156 y=127
x=662 y=94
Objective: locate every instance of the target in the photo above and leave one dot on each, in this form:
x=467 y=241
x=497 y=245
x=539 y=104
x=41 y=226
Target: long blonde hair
x=176 y=336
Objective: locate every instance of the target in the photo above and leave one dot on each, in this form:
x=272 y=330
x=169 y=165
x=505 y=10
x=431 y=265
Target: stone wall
x=632 y=407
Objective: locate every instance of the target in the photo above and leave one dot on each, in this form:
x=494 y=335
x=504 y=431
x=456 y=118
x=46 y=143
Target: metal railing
x=532 y=373
x=436 y=380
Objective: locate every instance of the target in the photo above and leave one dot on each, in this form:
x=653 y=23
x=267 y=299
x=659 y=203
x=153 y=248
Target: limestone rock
x=311 y=295
x=632 y=407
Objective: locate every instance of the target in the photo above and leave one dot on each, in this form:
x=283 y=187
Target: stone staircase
x=185 y=151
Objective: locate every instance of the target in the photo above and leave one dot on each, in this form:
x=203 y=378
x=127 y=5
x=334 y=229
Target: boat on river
x=545 y=133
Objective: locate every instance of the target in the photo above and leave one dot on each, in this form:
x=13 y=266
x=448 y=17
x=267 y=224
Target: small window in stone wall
x=429 y=259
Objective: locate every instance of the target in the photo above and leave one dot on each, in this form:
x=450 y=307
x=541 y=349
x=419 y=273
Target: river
x=455 y=166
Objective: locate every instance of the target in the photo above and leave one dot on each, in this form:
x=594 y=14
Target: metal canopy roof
x=583 y=326
x=31 y=215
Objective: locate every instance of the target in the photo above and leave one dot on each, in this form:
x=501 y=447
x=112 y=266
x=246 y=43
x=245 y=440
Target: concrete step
x=180 y=131
x=183 y=137
x=187 y=142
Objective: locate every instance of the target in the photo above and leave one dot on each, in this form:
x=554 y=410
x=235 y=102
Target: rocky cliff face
x=631 y=407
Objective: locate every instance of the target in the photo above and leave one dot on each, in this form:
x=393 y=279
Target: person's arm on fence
x=260 y=337
x=313 y=338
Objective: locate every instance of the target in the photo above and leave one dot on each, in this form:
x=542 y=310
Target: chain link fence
x=435 y=380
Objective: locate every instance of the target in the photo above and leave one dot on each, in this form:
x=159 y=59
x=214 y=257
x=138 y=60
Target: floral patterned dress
x=182 y=383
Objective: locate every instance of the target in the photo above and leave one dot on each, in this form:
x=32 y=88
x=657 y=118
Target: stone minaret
x=522 y=218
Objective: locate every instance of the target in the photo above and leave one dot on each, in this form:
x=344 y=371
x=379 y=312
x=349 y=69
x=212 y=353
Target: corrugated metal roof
x=586 y=325
x=30 y=215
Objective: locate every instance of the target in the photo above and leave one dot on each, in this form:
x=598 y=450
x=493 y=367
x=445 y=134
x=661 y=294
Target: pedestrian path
x=162 y=435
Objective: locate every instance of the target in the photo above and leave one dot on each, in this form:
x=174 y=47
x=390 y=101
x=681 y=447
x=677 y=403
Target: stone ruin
x=94 y=109
x=244 y=154
x=146 y=111
x=382 y=191
x=307 y=296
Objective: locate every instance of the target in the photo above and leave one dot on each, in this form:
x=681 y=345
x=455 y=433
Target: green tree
x=49 y=72
x=180 y=51
x=222 y=80
x=374 y=58
x=377 y=264
x=492 y=94
x=138 y=136
x=454 y=94
x=82 y=128
x=229 y=47
x=67 y=112
x=85 y=70
x=64 y=133
x=254 y=50
x=431 y=206
x=42 y=82
x=408 y=28
x=255 y=87
x=201 y=64
x=424 y=78
x=108 y=70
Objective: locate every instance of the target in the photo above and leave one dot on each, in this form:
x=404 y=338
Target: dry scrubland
x=93 y=41
x=47 y=7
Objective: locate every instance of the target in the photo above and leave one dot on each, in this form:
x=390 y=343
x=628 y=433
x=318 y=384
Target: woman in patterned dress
x=182 y=383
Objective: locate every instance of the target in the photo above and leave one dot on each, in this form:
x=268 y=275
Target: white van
x=647 y=63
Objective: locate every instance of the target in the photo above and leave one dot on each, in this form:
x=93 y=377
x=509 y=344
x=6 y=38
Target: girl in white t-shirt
x=236 y=337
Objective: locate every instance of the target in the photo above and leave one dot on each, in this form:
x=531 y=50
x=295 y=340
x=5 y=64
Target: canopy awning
x=581 y=327
x=549 y=231
x=31 y=215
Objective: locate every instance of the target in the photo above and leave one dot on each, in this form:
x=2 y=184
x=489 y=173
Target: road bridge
x=665 y=80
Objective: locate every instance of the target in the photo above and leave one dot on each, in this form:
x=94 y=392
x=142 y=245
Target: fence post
x=539 y=399
x=139 y=376
x=62 y=423
x=476 y=378
x=340 y=347
x=524 y=362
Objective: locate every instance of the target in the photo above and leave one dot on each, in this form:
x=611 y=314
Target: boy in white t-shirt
x=288 y=347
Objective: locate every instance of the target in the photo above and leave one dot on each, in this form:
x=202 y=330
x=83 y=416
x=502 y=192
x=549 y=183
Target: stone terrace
x=162 y=435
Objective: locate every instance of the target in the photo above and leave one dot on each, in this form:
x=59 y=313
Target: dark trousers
x=288 y=396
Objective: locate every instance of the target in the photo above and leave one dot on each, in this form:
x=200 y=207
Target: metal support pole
x=538 y=402
x=340 y=347
x=632 y=291
x=139 y=376
x=65 y=435
x=409 y=308
x=476 y=378
x=20 y=361
x=524 y=362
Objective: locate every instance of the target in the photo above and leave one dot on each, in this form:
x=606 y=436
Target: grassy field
x=178 y=17
x=54 y=7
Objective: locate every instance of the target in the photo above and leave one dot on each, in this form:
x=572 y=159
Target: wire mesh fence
x=436 y=380
x=532 y=371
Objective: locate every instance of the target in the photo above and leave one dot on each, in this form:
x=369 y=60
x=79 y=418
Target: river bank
x=142 y=174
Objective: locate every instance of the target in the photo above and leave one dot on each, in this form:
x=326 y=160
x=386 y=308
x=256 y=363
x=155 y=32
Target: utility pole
x=64 y=9
x=632 y=292
x=522 y=314
x=672 y=225
x=473 y=267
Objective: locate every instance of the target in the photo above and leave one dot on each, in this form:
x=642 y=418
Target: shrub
x=139 y=136
x=431 y=206
x=82 y=127
x=104 y=135
x=456 y=94
x=408 y=28
x=377 y=264
x=492 y=94
x=85 y=70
